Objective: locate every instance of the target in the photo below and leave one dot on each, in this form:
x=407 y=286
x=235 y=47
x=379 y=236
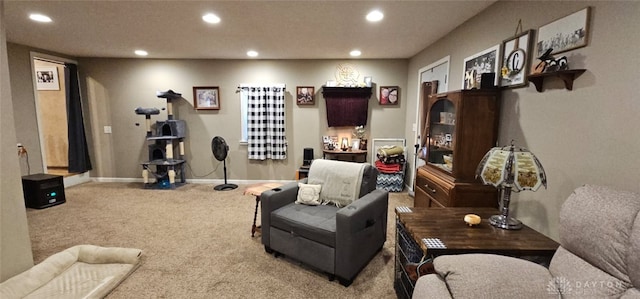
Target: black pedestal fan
x=220 y=149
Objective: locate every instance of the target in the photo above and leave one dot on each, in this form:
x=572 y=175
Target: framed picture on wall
x=305 y=95
x=389 y=95
x=367 y=81
x=47 y=78
x=478 y=64
x=206 y=98
x=564 y=34
x=516 y=59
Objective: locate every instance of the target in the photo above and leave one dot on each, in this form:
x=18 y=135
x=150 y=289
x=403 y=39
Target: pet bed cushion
x=83 y=271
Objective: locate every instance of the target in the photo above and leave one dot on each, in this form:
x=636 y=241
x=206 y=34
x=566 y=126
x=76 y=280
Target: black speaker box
x=486 y=80
x=307 y=157
x=43 y=190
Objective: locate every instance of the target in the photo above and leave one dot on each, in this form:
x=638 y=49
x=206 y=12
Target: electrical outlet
x=21 y=150
x=107 y=129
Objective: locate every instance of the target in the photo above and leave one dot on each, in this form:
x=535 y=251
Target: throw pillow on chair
x=309 y=194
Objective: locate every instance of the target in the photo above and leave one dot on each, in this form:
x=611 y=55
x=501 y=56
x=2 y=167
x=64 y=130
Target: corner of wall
x=15 y=245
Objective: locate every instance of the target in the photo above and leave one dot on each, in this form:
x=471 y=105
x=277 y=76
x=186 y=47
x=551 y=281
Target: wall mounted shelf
x=363 y=92
x=567 y=76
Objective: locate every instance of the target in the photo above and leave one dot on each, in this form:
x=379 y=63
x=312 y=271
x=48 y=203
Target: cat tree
x=166 y=169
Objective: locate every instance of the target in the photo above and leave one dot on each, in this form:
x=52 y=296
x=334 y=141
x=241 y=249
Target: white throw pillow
x=309 y=194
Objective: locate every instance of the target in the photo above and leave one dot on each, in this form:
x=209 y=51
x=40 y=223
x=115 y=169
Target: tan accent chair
x=598 y=257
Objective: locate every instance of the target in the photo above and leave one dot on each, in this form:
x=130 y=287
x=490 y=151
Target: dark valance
x=347 y=106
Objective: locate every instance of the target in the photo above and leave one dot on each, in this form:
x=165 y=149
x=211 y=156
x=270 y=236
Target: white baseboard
x=116 y=180
x=76 y=179
x=83 y=178
x=237 y=182
x=410 y=191
x=190 y=181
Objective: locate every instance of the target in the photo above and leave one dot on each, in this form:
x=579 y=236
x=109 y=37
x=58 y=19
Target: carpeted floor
x=196 y=242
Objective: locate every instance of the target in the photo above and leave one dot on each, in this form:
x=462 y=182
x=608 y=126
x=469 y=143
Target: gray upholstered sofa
x=599 y=257
x=338 y=241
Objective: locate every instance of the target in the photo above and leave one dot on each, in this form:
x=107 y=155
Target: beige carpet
x=197 y=244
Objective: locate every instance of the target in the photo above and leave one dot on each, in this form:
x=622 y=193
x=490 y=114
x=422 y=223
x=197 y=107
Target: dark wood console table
x=447 y=224
x=359 y=156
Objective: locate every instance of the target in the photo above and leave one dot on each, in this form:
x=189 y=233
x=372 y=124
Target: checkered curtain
x=266 y=123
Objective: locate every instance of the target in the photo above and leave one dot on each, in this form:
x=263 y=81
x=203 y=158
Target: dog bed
x=83 y=271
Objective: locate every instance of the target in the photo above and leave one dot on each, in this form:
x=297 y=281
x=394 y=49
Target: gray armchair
x=338 y=241
x=599 y=257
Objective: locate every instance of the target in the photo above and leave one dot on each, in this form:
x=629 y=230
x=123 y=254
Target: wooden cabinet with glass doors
x=461 y=126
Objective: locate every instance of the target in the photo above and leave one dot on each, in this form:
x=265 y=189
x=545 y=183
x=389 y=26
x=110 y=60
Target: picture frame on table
x=564 y=34
x=305 y=95
x=206 y=98
x=355 y=144
x=47 y=78
x=334 y=142
x=326 y=140
x=389 y=95
x=329 y=142
x=516 y=60
x=486 y=61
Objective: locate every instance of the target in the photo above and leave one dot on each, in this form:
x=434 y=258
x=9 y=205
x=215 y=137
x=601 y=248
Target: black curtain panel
x=79 y=160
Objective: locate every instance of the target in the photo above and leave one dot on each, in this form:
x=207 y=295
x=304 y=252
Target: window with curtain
x=263 y=121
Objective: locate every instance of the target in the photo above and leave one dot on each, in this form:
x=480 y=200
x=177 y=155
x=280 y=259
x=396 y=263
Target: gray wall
x=115 y=87
x=585 y=136
x=15 y=246
x=24 y=104
x=24 y=107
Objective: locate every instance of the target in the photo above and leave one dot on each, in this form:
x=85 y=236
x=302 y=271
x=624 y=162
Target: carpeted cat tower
x=164 y=170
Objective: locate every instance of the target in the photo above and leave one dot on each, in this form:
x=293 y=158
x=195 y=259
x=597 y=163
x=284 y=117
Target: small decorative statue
x=549 y=64
x=358 y=133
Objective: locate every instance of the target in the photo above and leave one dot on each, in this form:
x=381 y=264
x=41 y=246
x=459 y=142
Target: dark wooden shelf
x=359 y=156
x=339 y=92
x=567 y=76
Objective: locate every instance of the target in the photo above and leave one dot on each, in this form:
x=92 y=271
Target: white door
x=439 y=71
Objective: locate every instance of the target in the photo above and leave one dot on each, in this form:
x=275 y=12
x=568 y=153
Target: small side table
x=447 y=225
x=256 y=190
x=302 y=172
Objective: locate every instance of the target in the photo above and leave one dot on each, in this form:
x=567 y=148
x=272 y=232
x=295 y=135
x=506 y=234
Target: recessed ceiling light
x=141 y=53
x=355 y=53
x=211 y=18
x=375 y=16
x=39 y=18
x=252 y=53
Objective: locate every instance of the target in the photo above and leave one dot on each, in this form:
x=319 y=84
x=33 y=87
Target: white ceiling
x=302 y=29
